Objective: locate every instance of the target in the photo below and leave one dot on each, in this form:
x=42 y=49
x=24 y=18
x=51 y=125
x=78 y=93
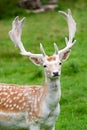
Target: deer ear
x=64 y=55
x=36 y=60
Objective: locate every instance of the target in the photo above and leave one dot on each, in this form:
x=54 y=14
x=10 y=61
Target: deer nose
x=55 y=74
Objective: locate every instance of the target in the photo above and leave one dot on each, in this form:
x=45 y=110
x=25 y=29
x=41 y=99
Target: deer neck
x=53 y=92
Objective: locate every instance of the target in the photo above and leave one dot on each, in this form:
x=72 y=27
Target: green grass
x=48 y=28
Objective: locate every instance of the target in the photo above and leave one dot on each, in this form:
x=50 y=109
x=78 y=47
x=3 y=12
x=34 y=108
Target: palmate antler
x=15 y=35
x=72 y=30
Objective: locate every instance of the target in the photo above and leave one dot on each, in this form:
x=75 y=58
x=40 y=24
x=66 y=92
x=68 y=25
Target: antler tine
x=42 y=50
x=72 y=29
x=56 y=48
x=15 y=35
x=71 y=24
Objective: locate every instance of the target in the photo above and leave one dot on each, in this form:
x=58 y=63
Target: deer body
x=36 y=107
x=24 y=106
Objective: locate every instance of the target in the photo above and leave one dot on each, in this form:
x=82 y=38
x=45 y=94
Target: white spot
x=4 y=104
x=5 y=93
x=7 y=106
x=33 y=91
x=10 y=101
x=24 y=104
x=38 y=99
x=7 y=87
x=20 y=94
x=3 y=99
x=11 y=93
x=0 y=89
x=11 y=108
x=14 y=98
x=26 y=94
x=20 y=108
x=10 y=105
x=20 y=101
x=30 y=113
x=17 y=106
x=14 y=105
x=15 y=92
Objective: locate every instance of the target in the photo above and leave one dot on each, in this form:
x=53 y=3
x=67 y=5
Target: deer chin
x=54 y=77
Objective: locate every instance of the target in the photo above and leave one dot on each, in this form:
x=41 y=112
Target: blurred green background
x=47 y=28
x=11 y=8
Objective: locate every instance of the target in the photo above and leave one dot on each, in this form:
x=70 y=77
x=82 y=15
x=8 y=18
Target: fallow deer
x=33 y=106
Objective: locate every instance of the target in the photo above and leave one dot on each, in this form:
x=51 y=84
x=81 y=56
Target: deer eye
x=60 y=63
x=44 y=66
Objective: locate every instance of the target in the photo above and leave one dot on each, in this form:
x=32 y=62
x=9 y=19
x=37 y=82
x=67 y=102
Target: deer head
x=51 y=64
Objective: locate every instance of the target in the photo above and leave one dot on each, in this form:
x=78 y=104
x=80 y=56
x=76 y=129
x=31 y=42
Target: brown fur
x=51 y=58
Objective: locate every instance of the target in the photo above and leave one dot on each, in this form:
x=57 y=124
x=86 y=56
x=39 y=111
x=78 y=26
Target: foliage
x=44 y=1
x=51 y=27
x=9 y=8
